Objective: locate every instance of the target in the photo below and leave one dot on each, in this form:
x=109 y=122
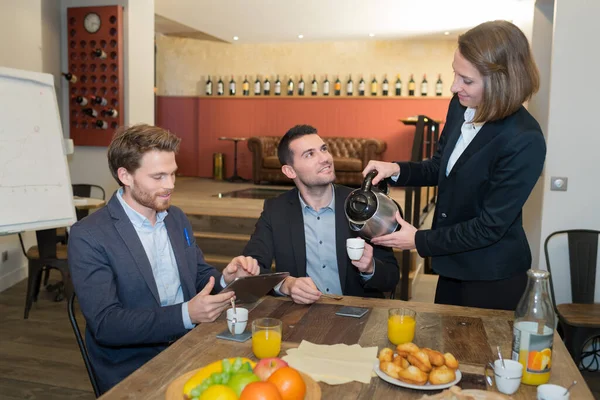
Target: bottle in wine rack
x=245 y=86
x=385 y=86
x=82 y=101
x=99 y=53
x=220 y=87
x=326 y=86
x=301 y=86
x=90 y=112
x=277 y=87
x=209 y=87
x=398 y=86
x=99 y=100
x=111 y=112
x=101 y=124
x=439 y=86
x=232 y=86
x=314 y=86
x=411 y=86
x=71 y=78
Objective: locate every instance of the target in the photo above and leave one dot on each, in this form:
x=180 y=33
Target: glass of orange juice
x=401 y=325
x=266 y=337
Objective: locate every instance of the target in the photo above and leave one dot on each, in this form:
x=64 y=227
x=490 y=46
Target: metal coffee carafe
x=370 y=211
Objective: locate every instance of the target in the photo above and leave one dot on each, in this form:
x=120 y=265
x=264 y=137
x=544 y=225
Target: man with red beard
x=141 y=280
x=305 y=230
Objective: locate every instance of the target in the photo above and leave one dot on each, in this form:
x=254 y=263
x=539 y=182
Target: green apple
x=239 y=381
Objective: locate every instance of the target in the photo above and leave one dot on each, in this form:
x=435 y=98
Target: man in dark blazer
x=141 y=280
x=305 y=230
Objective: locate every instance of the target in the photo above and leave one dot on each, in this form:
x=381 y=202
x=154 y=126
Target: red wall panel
x=200 y=121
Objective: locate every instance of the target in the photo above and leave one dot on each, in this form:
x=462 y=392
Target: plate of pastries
x=418 y=368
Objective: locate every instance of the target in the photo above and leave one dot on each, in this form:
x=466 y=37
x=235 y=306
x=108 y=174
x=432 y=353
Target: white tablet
x=249 y=289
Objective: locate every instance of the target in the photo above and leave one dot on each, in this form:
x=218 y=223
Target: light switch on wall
x=559 y=183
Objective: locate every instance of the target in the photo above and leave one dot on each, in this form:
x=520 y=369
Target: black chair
x=47 y=254
x=81 y=344
x=85 y=190
x=579 y=323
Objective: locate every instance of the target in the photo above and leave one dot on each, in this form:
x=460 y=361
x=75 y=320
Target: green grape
x=246 y=367
x=227 y=367
x=203 y=387
x=196 y=392
x=209 y=381
x=237 y=364
x=225 y=376
x=216 y=377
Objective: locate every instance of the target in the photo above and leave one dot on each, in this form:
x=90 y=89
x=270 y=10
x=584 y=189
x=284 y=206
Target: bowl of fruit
x=242 y=379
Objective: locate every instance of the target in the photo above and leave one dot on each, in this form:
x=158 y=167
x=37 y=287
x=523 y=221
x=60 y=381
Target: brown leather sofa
x=350 y=156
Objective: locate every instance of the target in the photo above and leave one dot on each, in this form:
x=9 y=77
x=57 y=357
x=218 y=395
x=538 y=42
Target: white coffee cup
x=508 y=379
x=237 y=322
x=355 y=248
x=552 y=392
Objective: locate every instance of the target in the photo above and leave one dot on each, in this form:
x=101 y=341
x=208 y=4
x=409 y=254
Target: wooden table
x=470 y=334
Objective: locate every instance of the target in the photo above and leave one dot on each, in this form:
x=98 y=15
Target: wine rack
x=99 y=73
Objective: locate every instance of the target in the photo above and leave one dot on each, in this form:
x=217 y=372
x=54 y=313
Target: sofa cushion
x=271 y=162
x=347 y=164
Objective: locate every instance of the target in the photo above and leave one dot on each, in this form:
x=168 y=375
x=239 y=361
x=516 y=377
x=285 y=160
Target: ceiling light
x=300 y=36
x=446 y=33
x=371 y=34
x=235 y=38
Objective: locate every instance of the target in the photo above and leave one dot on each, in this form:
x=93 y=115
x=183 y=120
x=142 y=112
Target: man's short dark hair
x=283 y=150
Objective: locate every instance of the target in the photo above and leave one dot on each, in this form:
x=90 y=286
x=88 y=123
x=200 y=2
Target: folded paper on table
x=333 y=364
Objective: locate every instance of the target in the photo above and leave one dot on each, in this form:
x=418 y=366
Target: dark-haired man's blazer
x=126 y=326
x=279 y=235
x=477 y=231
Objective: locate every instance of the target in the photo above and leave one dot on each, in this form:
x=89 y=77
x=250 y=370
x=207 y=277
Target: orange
x=218 y=392
x=260 y=391
x=289 y=382
x=539 y=360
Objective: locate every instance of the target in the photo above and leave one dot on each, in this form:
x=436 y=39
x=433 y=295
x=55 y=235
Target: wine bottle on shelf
x=245 y=86
x=398 y=86
x=209 y=87
x=326 y=86
x=277 y=87
x=99 y=100
x=350 y=86
x=301 y=86
x=90 y=112
x=290 y=87
x=267 y=87
x=337 y=88
x=411 y=86
x=101 y=124
x=220 y=87
x=374 y=87
x=111 y=112
x=70 y=77
x=99 y=53
x=439 y=86
x=257 y=86
x=361 y=86
x=424 y=85
x=232 y=86
x=314 y=86
x=385 y=86
x=82 y=101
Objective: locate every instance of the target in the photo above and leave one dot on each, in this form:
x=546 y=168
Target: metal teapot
x=370 y=211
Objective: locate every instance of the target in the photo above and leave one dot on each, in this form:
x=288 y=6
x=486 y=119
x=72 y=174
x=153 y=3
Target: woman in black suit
x=489 y=157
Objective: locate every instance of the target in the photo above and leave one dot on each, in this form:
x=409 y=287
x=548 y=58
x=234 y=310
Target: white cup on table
x=507 y=378
x=355 y=248
x=552 y=392
x=236 y=322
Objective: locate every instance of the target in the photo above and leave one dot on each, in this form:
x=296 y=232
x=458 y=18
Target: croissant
x=405 y=349
x=435 y=357
x=389 y=369
x=400 y=361
x=420 y=360
x=441 y=375
x=451 y=361
x=413 y=375
x=386 y=354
